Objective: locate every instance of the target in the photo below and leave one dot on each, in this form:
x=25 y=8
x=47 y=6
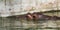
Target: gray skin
x=40 y=16
x=36 y=16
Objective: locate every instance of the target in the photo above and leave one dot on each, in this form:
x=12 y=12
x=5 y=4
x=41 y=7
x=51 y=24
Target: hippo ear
x=29 y=16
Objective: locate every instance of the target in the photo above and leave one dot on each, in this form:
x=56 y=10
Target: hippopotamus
x=41 y=16
x=36 y=16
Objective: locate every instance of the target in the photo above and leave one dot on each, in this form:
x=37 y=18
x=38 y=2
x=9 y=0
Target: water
x=18 y=24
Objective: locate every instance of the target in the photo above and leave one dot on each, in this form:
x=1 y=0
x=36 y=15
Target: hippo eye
x=33 y=16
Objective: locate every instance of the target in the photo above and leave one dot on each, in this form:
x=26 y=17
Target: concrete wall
x=18 y=7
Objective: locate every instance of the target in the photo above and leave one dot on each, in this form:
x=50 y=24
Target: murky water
x=22 y=24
